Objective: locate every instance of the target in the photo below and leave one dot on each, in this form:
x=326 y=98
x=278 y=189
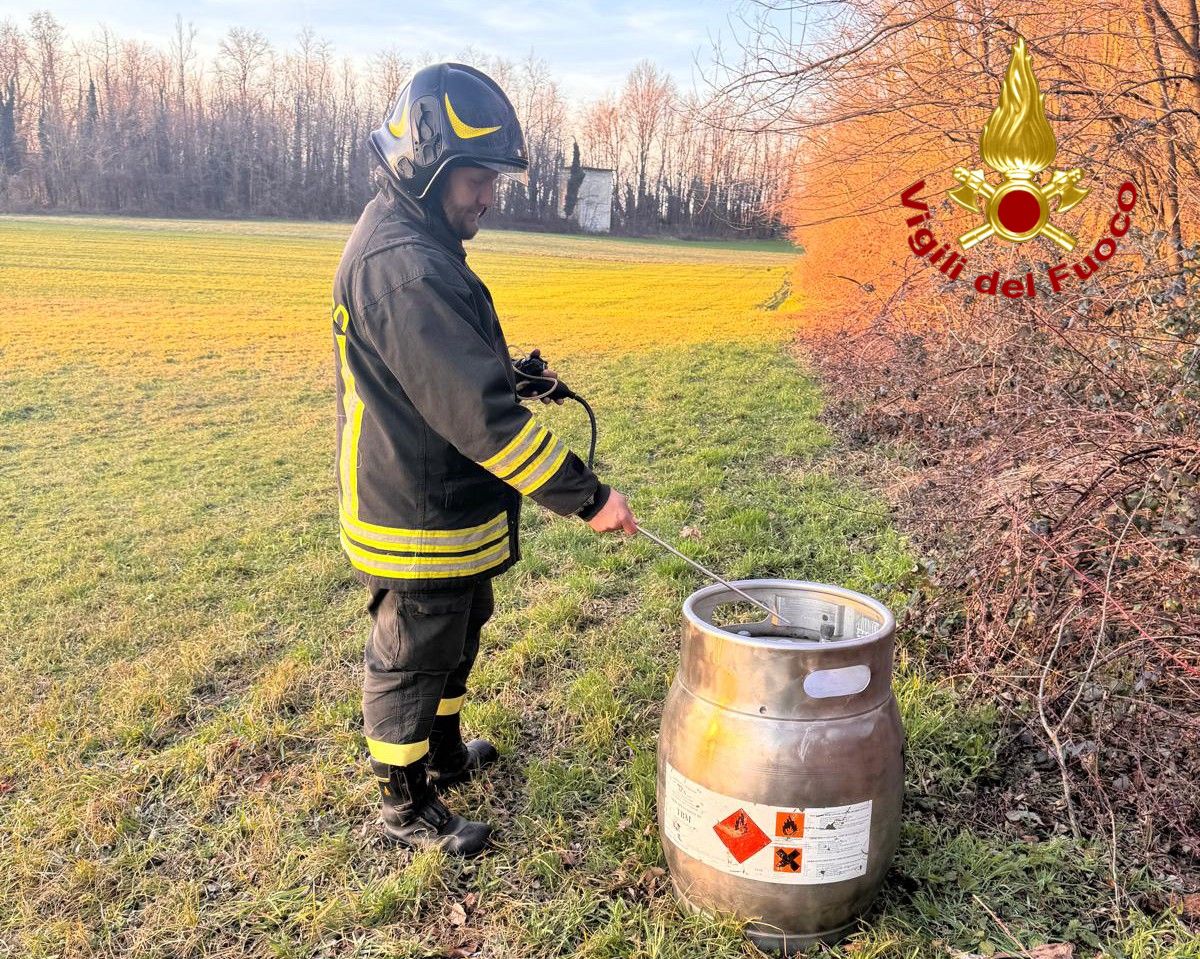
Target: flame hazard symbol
x=741 y=835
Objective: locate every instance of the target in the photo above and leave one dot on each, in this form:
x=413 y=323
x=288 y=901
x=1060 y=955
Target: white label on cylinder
x=781 y=844
x=842 y=681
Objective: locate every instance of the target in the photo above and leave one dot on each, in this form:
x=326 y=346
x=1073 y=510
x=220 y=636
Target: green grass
x=183 y=771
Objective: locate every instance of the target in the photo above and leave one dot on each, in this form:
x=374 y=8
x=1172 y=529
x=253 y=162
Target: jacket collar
x=426 y=218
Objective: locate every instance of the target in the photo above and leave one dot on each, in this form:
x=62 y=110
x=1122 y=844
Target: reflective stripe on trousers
x=418 y=656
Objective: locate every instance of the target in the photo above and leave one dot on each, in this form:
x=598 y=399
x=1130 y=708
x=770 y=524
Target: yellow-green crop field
x=135 y=294
x=182 y=771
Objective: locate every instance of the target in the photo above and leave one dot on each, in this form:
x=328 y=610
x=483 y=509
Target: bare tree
x=646 y=100
x=113 y=125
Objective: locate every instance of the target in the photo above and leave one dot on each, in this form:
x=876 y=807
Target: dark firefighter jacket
x=434 y=449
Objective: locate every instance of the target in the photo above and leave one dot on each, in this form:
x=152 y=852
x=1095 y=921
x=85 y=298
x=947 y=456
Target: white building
x=593 y=205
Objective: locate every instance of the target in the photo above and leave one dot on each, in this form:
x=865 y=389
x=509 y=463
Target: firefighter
x=434 y=449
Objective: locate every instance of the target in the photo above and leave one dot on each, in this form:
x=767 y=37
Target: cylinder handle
x=842 y=681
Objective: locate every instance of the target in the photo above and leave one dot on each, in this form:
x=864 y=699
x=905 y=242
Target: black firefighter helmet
x=449 y=112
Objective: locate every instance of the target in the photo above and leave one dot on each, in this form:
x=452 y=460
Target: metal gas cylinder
x=780 y=766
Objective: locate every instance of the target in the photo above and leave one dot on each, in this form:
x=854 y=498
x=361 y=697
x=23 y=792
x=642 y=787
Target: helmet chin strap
x=432 y=202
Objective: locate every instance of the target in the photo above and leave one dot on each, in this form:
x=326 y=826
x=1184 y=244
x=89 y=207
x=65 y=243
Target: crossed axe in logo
x=1018 y=209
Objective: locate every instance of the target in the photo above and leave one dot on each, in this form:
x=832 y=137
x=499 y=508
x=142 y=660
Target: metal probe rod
x=711 y=575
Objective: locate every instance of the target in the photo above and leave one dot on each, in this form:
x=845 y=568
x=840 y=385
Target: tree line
x=123 y=126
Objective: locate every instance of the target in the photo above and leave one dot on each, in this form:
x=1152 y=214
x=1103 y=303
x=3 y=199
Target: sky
x=590 y=45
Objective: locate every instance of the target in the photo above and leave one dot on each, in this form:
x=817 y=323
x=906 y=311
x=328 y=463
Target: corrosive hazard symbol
x=741 y=835
x=788 y=824
x=787 y=858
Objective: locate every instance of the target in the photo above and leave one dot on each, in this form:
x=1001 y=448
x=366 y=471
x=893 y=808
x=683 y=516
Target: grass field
x=183 y=771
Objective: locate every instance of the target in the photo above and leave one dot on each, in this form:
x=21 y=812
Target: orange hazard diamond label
x=787 y=858
x=741 y=835
x=788 y=824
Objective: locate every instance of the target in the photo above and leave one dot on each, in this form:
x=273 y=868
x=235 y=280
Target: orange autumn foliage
x=1043 y=453
x=911 y=107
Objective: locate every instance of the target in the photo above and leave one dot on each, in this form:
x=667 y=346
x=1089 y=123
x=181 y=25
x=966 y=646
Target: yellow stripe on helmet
x=465 y=131
x=400 y=129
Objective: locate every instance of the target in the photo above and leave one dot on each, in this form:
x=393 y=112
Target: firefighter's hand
x=551 y=373
x=614 y=515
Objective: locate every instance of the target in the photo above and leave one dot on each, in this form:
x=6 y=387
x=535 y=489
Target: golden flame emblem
x=1017 y=141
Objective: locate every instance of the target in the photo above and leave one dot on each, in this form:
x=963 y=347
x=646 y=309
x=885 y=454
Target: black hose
x=592 y=418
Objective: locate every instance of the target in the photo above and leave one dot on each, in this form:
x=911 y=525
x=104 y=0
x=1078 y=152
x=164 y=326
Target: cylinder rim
x=886 y=627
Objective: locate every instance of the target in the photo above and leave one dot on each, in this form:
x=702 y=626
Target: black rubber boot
x=450 y=759
x=415 y=817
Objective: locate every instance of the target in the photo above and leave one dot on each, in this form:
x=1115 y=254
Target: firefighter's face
x=468 y=193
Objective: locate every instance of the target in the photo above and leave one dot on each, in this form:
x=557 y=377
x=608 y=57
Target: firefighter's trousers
x=418 y=657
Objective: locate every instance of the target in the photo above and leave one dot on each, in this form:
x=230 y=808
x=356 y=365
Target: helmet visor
x=510 y=170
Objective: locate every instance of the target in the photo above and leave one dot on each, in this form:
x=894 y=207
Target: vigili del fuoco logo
x=1018 y=143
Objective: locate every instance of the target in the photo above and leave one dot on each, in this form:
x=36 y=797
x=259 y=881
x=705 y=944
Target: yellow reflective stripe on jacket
x=424 y=540
x=397 y=754
x=448 y=707
x=351 y=429
x=516 y=449
x=425 y=567
x=511 y=463
x=548 y=468
x=526 y=473
x=398 y=531
x=533 y=470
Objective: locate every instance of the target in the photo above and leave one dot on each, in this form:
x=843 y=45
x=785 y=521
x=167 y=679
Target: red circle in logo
x=1019 y=211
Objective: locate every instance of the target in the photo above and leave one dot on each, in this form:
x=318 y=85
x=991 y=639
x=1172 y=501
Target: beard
x=465 y=224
